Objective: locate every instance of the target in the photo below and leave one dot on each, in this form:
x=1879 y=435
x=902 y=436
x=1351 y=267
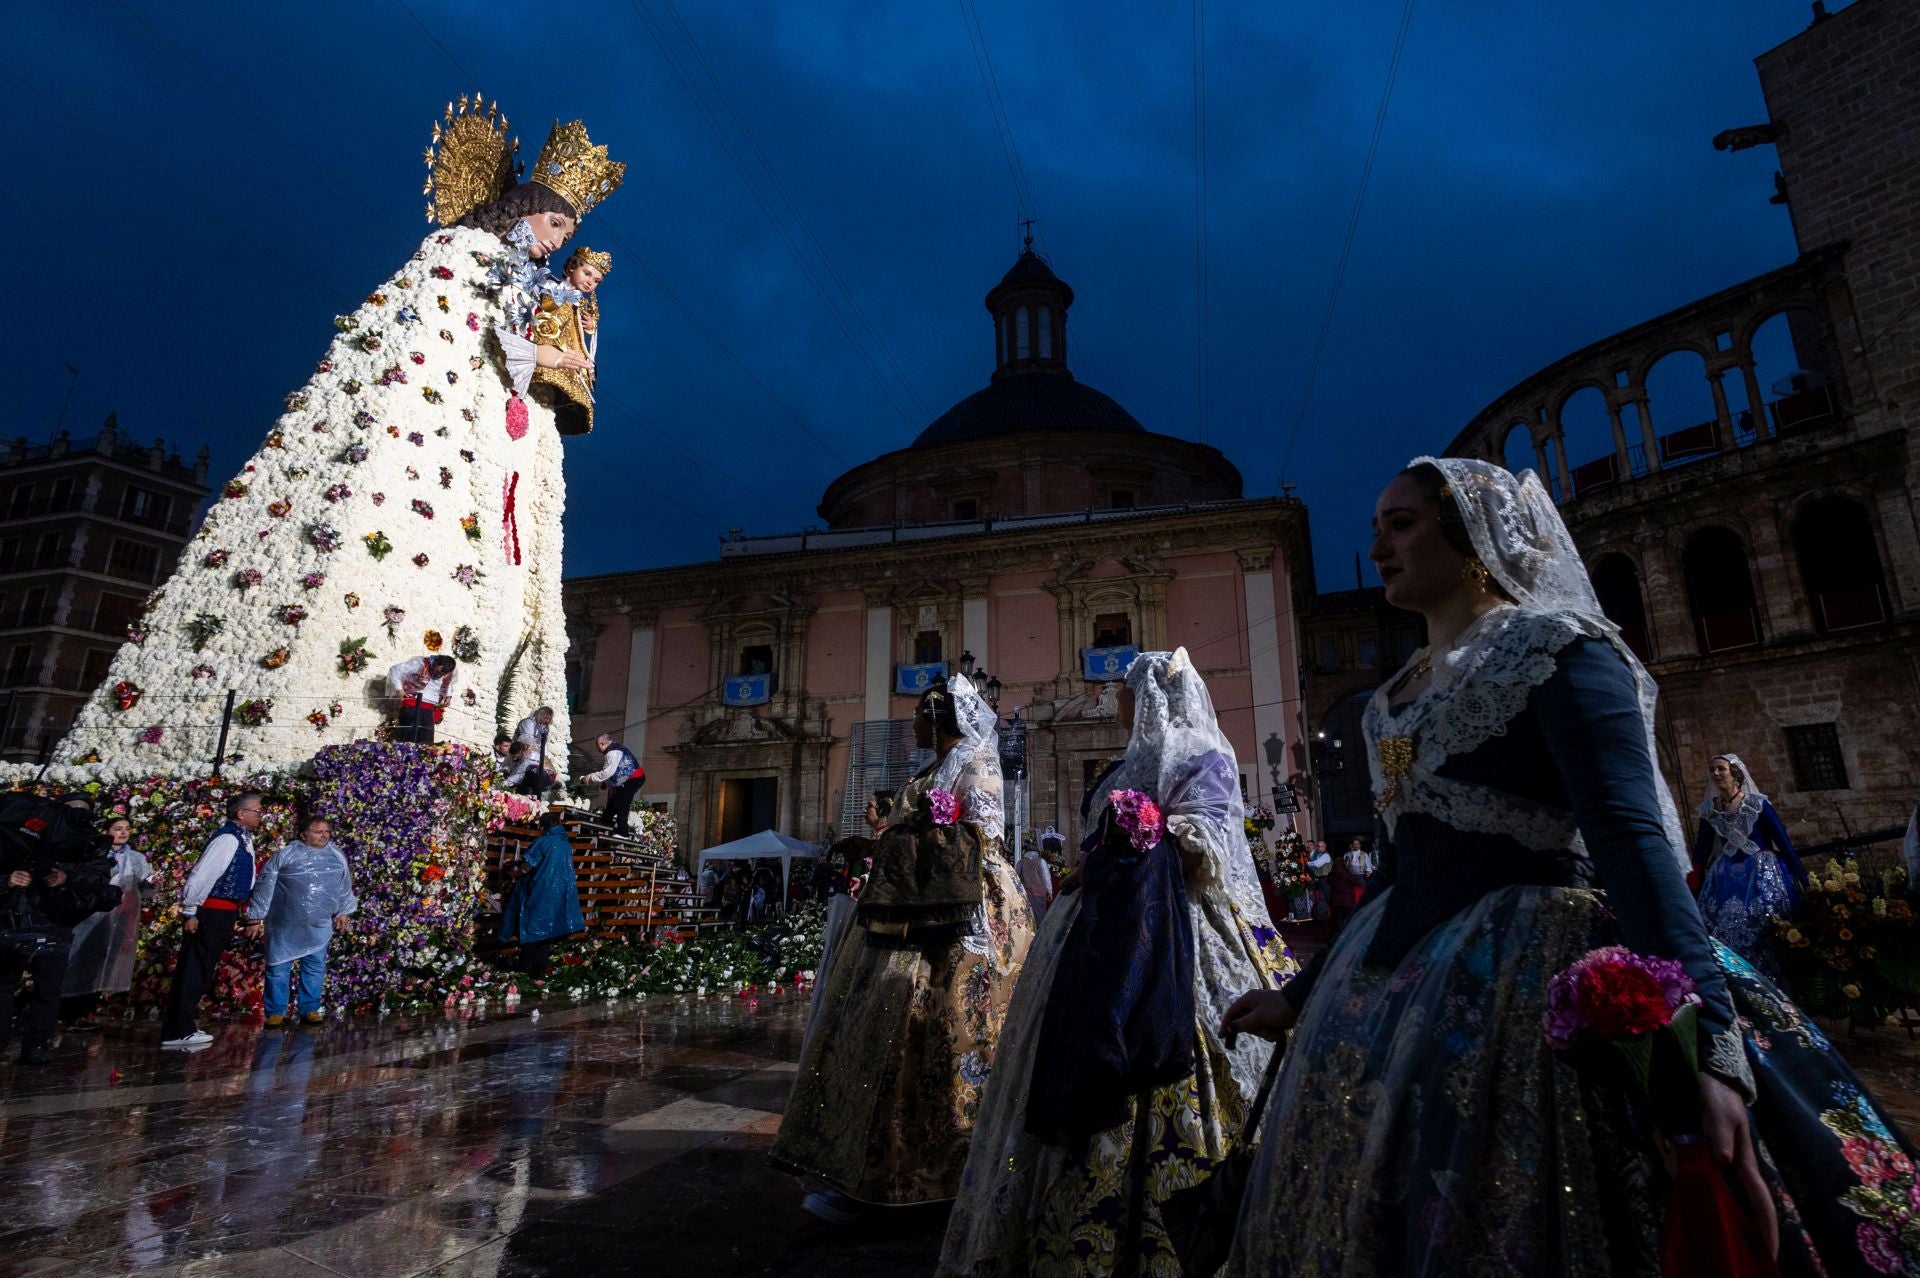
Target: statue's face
x=585 y=278
x=550 y=231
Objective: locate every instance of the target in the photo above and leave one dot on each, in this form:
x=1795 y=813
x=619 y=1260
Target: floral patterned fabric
x=1029 y=1207
x=892 y=1077
x=1851 y=1198
x=1423 y=1125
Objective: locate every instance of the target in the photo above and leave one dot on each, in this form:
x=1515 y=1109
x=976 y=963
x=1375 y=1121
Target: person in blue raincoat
x=544 y=905
x=302 y=894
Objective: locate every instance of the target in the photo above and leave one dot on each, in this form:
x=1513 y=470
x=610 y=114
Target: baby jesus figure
x=568 y=317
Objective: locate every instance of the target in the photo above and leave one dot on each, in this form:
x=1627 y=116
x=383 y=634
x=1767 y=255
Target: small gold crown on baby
x=599 y=261
x=576 y=170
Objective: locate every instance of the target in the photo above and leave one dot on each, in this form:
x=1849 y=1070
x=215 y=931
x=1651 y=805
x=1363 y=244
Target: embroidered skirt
x=1421 y=1124
x=1026 y=1207
x=1740 y=898
x=892 y=1074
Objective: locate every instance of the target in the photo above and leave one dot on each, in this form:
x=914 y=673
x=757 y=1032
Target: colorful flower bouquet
x=942 y=807
x=1624 y=1000
x=1137 y=814
x=1853 y=951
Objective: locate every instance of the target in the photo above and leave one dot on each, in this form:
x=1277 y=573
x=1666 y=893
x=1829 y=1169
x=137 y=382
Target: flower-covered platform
x=414 y=823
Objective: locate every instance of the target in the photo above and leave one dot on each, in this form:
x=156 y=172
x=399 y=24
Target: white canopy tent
x=764 y=846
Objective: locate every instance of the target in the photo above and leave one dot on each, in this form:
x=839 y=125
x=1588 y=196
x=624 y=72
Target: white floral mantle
x=392 y=503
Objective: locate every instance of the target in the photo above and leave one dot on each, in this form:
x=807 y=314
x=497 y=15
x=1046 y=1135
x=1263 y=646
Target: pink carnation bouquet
x=1139 y=816
x=942 y=806
x=1615 y=996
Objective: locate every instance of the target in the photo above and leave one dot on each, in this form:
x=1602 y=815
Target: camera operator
x=56 y=875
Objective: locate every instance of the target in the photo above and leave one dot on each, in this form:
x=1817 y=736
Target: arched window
x=1840 y=564
x=1795 y=369
x=1617 y=583
x=1045 y=342
x=1517 y=451
x=1720 y=591
x=1680 y=402
x=1020 y=342
x=1587 y=433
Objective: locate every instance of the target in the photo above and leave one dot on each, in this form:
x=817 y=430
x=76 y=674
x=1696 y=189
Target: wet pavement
x=589 y=1140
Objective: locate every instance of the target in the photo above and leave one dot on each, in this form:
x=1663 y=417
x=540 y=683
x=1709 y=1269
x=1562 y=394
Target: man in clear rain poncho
x=303 y=893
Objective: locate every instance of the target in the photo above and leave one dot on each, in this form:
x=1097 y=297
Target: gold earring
x=1475 y=574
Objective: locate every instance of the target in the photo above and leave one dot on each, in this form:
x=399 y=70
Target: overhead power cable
x=862 y=349
x=1200 y=301
x=1346 y=247
x=874 y=335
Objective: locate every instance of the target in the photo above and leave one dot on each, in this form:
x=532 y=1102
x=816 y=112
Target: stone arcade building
x=1035 y=531
x=1739 y=472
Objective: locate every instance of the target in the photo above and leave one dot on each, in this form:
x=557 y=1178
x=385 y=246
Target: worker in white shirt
x=216 y=892
x=422 y=687
x=624 y=777
x=530 y=751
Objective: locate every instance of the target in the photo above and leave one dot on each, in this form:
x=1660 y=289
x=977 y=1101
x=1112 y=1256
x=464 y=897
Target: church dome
x=1053 y=443
x=1015 y=405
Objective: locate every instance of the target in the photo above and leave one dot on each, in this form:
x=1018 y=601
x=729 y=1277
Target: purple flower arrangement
x=1137 y=814
x=942 y=807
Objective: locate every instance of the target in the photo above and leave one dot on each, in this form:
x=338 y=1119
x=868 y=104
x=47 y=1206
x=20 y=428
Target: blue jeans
x=313 y=970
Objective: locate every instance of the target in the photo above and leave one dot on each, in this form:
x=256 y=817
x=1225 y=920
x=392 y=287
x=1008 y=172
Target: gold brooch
x=1396 y=761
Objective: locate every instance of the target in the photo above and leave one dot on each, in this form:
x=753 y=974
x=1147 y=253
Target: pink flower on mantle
x=516 y=418
x=1139 y=816
x=151 y=736
x=942 y=806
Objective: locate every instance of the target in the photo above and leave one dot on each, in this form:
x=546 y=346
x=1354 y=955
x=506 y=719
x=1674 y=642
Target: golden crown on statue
x=470 y=161
x=572 y=167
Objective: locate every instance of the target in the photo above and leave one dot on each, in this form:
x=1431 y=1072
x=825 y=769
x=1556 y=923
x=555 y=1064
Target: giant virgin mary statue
x=407 y=501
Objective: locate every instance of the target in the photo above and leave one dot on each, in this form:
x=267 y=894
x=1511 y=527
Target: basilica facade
x=1035 y=535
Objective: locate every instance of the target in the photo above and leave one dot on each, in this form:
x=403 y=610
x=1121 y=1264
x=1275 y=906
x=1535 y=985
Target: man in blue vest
x=216 y=892
x=624 y=777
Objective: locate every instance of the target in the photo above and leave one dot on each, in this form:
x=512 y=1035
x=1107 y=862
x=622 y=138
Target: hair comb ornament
x=469 y=162
x=576 y=170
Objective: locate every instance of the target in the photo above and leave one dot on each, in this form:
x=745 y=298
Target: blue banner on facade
x=914 y=680
x=1103 y=665
x=748 y=690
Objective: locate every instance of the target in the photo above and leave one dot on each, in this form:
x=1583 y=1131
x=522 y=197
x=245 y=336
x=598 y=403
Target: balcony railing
x=59 y=680
x=104 y=562
x=165 y=522
x=37 y=618
x=1725 y=631
x=1850 y=609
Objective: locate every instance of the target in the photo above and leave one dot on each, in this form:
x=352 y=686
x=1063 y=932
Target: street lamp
x=966 y=664
x=993 y=691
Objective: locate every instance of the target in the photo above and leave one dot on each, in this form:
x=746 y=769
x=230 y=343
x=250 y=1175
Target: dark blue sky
x=198 y=188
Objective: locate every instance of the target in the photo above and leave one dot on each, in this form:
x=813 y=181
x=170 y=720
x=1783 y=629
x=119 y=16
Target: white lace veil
x=1741 y=772
x=971 y=770
x=1518 y=534
x=1174 y=728
x=1735 y=825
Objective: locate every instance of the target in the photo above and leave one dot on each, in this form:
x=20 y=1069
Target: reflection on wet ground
x=589 y=1140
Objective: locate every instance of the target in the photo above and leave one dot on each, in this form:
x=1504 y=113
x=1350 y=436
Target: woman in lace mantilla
x=1043 y=1192
x=1749 y=872
x=891 y=1077
x=1421 y=1123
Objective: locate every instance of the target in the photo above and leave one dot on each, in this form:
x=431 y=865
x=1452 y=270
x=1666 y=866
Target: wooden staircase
x=626 y=889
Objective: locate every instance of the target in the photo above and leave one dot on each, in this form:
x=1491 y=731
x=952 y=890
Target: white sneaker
x=199 y=1038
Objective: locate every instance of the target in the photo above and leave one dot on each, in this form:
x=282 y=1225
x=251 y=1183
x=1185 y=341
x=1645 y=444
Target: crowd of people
x=1122 y=1071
